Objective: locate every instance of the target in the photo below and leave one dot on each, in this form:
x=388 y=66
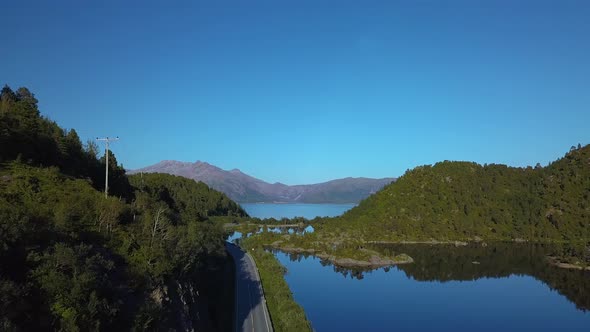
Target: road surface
x=251 y=312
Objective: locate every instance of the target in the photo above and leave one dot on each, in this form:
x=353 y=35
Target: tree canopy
x=73 y=260
x=464 y=200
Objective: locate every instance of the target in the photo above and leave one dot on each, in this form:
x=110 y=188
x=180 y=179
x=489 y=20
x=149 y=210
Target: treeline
x=29 y=137
x=187 y=199
x=464 y=201
x=73 y=260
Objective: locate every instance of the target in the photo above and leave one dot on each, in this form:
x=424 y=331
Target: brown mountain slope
x=247 y=189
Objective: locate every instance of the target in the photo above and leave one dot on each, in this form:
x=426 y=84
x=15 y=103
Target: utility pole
x=106 y=154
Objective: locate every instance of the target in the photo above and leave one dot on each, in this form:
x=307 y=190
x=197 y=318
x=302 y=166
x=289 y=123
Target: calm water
x=502 y=287
x=308 y=211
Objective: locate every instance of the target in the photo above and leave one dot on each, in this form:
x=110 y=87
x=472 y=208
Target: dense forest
x=145 y=258
x=467 y=201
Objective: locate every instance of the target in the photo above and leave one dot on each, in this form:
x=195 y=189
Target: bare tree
x=160 y=225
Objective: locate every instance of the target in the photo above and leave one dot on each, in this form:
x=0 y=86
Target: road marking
x=249 y=270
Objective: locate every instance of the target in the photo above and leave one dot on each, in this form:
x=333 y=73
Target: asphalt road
x=251 y=312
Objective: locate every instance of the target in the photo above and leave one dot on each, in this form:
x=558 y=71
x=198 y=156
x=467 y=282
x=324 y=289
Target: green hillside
x=73 y=260
x=189 y=199
x=462 y=201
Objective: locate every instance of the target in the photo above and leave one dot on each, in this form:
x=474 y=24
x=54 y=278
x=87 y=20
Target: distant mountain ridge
x=244 y=188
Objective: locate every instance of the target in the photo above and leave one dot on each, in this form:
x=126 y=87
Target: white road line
x=249 y=272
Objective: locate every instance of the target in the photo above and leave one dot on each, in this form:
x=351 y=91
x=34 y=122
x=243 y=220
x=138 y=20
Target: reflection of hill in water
x=449 y=263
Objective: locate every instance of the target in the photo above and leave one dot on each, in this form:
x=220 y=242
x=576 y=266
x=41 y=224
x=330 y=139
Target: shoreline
x=374 y=261
x=555 y=261
x=434 y=242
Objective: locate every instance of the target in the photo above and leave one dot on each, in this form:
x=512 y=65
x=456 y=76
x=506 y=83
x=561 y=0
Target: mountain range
x=244 y=188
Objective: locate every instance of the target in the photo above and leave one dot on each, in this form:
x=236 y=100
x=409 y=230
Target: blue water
x=492 y=299
x=502 y=287
x=309 y=211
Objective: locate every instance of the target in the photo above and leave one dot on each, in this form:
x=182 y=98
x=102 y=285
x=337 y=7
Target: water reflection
x=443 y=263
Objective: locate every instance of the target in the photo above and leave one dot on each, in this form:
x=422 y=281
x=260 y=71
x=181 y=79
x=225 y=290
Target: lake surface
x=309 y=211
x=501 y=287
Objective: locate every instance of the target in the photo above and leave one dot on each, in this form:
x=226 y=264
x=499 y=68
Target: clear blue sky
x=307 y=91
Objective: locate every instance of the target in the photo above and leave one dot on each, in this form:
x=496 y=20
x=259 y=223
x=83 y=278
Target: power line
x=107 y=140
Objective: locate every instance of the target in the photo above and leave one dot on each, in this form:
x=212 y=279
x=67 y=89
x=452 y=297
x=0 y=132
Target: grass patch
x=285 y=313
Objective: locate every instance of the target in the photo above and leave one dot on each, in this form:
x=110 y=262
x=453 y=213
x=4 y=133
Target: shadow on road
x=248 y=292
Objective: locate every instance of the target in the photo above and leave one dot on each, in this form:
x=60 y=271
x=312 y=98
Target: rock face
x=247 y=189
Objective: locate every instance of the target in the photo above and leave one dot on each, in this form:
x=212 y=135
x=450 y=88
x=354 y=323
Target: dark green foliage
x=118 y=182
x=35 y=140
x=189 y=200
x=77 y=261
x=79 y=281
x=461 y=200
x=73 y=260
x=45 y=220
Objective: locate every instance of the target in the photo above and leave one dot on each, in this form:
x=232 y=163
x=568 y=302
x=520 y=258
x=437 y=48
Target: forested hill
x=189 y=199
x=463 y=200
x=73 y=260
